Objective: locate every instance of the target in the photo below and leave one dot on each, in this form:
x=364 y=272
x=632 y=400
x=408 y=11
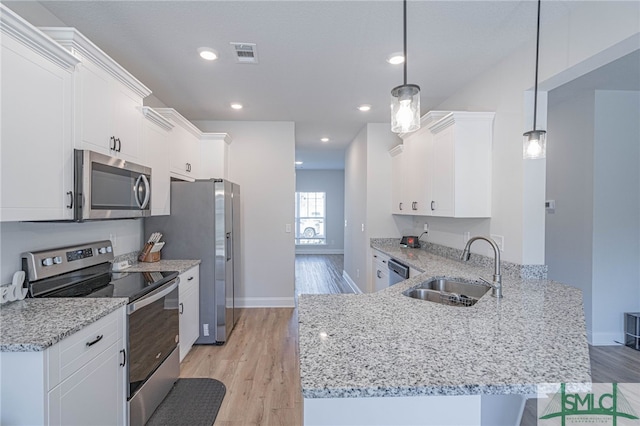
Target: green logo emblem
x=613 y=405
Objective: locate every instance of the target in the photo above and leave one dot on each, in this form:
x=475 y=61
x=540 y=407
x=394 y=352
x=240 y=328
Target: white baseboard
x=351 y=283
x=265 y=302
x=605 y=338
x=320 y=251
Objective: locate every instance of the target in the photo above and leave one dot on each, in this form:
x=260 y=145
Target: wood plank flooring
x=320 y=274
x=609 y=364
x=259 y=365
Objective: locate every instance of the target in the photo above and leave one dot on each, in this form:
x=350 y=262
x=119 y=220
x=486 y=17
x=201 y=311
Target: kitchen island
x=386 y=358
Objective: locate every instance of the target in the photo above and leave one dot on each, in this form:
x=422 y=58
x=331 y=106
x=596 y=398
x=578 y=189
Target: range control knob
x=57 y=260
x=47 y=261
x=102 y=250
x=109 y=250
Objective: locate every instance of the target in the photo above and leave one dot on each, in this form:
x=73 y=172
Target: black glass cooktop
x=99 y=281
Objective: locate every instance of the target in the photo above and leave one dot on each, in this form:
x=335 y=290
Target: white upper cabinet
x=36 y=151
x=444 y=168
x=184 y=146
x=214 y=155
x=156 y=132
x=461 y=165
x=108 y=99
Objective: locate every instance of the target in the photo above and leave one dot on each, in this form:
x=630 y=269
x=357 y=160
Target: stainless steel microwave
x=109 y=187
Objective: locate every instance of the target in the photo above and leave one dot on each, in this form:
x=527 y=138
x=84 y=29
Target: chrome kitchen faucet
x=496 y=285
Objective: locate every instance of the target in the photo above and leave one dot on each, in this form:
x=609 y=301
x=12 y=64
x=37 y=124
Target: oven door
x=110 y=188
x=153 y=333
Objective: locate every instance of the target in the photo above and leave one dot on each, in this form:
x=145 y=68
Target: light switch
x=363 y=227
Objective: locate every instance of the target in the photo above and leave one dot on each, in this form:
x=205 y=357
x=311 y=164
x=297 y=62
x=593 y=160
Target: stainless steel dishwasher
x=397 y=272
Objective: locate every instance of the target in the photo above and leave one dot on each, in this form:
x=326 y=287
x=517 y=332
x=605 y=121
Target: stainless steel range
x=84 y=270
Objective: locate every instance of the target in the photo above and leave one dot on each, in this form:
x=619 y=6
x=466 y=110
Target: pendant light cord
x=405 y=40
x=535 y=98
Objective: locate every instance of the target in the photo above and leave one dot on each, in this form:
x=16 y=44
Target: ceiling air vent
x=246 y=53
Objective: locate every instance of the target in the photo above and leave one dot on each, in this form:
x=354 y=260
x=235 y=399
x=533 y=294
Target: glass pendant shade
x=405 y=108
x=534 y=145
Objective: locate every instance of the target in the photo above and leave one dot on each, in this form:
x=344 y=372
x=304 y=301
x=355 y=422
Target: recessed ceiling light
x=236 y=105
x=364 y=108
x=395 y=58
x=208 y=53
x=298 y=163
x=325 y=139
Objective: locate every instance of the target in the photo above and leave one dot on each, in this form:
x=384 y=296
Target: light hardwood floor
x=259 y=365
x=320 y=274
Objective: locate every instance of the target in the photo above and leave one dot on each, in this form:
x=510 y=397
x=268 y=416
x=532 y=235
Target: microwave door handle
x=147 y=192
x=152 y=297
x=136 y=187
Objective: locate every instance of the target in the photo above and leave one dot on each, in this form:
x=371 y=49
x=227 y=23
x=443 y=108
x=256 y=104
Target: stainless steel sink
x=448 y=291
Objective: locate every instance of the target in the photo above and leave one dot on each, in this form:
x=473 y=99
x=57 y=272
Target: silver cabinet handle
x=378 y=273
x=229 y=246
x=181 y=308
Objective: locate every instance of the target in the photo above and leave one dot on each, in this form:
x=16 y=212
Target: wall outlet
x=550 y=206
x=426 y=227
x=499 y=239
x=363 y=227
x=205 y=329
x=287 y=227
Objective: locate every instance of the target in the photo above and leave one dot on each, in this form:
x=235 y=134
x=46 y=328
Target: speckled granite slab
x=33 y=325
x=387 y=344
x=164 y=265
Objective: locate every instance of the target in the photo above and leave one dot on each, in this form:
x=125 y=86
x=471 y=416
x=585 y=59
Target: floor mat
x=191 y=402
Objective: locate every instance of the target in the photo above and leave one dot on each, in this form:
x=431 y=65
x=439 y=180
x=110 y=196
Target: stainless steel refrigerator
x=205 y=224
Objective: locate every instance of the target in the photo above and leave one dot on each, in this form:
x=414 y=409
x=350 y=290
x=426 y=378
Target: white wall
x=262 y=163
x=569 y=236
x=593 y=174
x=332 y=183
x=19 y=237
x=616 y=212
x=589 y=36
x=368 y=200
x=355 y=212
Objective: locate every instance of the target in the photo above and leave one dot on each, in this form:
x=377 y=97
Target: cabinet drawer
x=74 y=352
x=190 y=278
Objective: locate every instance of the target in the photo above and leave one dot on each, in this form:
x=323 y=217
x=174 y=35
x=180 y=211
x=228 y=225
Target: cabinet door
x=398 y=190
x=443 y=173
x=189 y=295
x=155 y=153
x=93 y=395
x=181 y=150
x=126 y=119
x=94 y=110
x=418 y=152
x=36 y=136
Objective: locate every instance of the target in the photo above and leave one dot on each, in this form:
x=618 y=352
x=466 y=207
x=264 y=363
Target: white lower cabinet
x=80 y=380
x=189 y=305
x=380 y=269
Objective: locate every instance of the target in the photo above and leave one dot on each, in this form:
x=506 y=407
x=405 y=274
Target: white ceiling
x=317 y=59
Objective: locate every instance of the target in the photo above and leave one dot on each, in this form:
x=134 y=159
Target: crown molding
x=153 y=116
x=396 y=150
x=23 y=32
x=454 y=116
x=425 y=121
x=177 y=119
x=79 y=45
x=217 y=137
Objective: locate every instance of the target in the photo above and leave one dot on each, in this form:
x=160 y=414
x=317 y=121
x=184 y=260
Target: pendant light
x=535 y=141
x=405 y=99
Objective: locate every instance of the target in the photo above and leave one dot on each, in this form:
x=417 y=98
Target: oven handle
x=153 y=296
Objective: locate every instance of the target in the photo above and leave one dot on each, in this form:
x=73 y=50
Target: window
x=310 y=218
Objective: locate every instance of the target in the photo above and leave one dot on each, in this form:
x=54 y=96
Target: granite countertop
x=387 y=344
x=163 y=265
x=33 y=325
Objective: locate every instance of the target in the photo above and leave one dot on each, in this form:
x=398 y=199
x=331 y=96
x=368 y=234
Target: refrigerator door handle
x=228 y=245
